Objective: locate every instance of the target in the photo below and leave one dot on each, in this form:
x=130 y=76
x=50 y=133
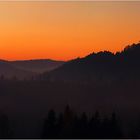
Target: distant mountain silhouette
x=26 y=69
x=8 y=71
x=100 y=68
x=37 y=65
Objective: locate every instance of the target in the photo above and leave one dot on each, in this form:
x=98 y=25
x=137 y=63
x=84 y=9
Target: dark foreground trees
x=5 y=130
x=69 y=125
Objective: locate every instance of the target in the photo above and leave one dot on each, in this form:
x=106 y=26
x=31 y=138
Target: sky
x=66 y=30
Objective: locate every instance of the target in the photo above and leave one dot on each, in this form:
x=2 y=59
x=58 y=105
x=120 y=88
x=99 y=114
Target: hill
x=26 y=69
x=9 y=71
x=38 y=65
x=100 y=68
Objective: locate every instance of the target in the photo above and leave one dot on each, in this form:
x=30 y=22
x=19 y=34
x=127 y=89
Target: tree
x=84 y=125
x=105 y=128
x=5 y=131
x=115 y=129
x=97 y=125
x=68 y=122
x=49 y=130
x=60 y=125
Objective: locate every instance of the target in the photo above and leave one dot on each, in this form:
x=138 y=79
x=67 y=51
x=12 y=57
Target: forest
x=92 y=97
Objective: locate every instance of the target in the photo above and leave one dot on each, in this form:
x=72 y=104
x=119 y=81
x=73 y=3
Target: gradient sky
x=66 y=30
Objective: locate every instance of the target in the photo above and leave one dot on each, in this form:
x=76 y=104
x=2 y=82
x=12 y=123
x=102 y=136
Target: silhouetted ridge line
x=100 y=68
x=26 y=69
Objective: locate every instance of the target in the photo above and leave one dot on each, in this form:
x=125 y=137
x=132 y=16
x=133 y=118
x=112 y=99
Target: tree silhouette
x=115 y=130
x=49 y=130
x=91 y=127
x=84 y=126
x=68 y=115
x=5 y=131
x=105 y=128
x=68 y=122
x=60 y=125
x=97 y=125
x=69 y=125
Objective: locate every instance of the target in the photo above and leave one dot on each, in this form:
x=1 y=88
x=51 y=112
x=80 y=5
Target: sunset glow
x=66 y=30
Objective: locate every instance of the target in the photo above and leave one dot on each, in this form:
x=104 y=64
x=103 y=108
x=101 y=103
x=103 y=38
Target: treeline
x=69 y=125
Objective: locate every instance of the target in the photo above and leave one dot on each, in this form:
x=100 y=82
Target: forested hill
x=100 y=68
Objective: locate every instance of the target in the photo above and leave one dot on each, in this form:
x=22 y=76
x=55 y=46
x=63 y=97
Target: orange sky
x=65 y=30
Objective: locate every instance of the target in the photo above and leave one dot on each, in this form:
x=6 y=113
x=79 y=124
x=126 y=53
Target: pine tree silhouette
x=69 y=125
x=49 y=130
x=84 y=125
x=68 y=122
x=97 y=125
x=105 y=128
x=5 y=131
x=115 y=130
x=60 y=125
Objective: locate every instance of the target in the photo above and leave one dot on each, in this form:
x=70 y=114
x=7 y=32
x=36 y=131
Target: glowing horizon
x=66 y=30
